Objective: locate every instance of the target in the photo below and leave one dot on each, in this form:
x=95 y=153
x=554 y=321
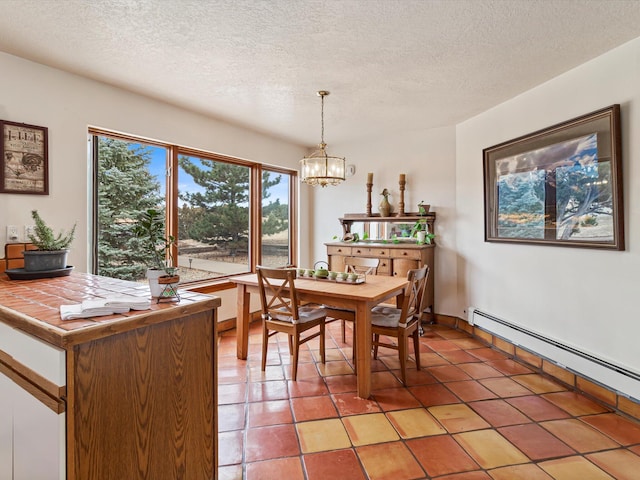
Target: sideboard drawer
x=374 y=252
x=406 y=253
x=338 y=250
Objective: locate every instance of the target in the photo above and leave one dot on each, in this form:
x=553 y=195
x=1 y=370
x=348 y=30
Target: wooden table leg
x=363 y=349
x=242 y=322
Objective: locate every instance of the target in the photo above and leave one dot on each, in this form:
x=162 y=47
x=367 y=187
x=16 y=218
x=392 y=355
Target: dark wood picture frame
x=558 y=186
x=24 y=157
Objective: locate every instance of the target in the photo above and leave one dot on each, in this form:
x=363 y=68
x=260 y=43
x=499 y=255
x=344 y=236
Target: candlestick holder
x=369 y=188
x=402 y=182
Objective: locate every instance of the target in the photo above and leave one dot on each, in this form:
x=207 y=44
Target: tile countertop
x=33 y=306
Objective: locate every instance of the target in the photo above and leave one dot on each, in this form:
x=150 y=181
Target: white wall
x=68 y=104
x=427 y=157
x=582 y=297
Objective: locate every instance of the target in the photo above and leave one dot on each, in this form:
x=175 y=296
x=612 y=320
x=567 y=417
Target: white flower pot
x=152 y=275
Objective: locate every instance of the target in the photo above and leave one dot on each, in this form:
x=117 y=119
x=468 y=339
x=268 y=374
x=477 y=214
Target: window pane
x=213 y=218
x=130 y=180
x=275 y=219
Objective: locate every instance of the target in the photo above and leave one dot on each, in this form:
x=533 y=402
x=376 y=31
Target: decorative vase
x=384 y=207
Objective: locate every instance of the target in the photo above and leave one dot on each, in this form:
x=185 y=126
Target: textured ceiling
x=391 y=65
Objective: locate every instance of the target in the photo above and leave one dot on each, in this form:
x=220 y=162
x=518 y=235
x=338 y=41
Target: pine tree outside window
x=227 y=214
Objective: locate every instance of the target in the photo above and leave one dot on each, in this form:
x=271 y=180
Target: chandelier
x=320 y=168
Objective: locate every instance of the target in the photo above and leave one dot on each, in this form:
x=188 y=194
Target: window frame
x=171 y=197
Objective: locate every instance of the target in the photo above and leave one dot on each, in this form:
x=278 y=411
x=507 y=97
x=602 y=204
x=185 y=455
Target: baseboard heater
x=614 y=377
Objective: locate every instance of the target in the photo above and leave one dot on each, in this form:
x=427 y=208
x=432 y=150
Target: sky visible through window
x=158 y=165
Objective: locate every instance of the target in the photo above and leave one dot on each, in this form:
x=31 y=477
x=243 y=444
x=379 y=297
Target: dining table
x=359 y=297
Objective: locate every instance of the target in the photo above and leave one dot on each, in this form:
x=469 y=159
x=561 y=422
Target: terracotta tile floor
x=470 y=413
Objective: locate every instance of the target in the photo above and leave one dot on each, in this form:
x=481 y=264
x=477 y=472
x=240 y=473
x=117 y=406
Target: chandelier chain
x=322 y=119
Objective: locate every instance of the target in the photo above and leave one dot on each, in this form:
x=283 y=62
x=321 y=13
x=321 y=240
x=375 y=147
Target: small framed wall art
x=24 y=157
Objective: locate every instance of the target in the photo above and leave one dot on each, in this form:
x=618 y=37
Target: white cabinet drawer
x=44 y=359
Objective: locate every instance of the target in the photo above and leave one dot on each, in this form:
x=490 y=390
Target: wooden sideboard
x=396 y=257
x=395 y=260
x=121 y=396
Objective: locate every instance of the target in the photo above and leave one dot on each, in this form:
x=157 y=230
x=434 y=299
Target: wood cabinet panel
x=144 y=403
x=401 y=266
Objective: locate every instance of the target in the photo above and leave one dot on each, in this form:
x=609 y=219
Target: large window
x=228 y=215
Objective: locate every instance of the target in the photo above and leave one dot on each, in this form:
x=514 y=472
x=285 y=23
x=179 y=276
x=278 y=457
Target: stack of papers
x=103 y=306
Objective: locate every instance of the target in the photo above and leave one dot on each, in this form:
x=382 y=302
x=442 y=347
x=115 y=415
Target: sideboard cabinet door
x=401 y=266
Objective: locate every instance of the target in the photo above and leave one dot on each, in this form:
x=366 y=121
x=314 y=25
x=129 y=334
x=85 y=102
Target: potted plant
x=419 y=231
x=52 y=249
x=161 y=274
x=423 y=208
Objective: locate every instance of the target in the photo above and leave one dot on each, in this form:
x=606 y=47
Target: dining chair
x=401 y=323
x=281 y=312
x=361 y=265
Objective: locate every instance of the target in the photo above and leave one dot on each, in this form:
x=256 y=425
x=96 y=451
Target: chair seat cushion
x=306 y=313
x=382 y=316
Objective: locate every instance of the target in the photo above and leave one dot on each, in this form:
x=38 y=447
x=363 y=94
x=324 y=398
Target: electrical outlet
x=12 y=233
x=28 y=230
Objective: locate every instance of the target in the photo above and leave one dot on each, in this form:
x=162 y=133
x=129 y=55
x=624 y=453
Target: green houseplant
x=161 y=271
x=420 y=232
x=52 y=249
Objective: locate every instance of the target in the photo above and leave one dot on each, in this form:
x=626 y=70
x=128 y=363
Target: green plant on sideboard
x=421 y=226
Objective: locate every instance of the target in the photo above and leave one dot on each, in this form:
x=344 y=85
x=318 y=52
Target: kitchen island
x=127 y=396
